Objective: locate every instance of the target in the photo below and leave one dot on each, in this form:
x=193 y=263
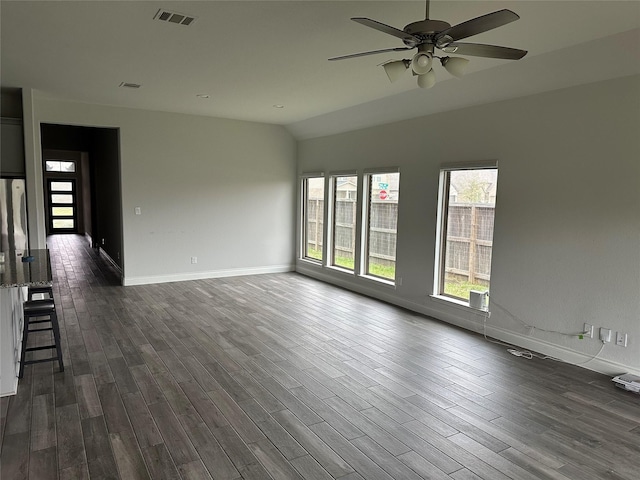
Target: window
x=312 y=217
x=467 y=206
x=382 y=224
x=345 y=201
x=60 y=166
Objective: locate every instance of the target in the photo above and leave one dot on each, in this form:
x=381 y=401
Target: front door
x=63 y=205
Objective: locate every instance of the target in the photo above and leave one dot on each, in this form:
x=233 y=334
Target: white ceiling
x=251 y=55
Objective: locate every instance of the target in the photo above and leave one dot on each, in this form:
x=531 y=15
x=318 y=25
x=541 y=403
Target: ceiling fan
x=427 y=35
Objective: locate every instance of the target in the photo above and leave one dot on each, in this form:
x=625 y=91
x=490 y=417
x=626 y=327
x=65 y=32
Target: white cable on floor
x=526 y=353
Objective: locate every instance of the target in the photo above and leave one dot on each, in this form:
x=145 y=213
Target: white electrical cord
x=595 y=356
x=526 y=353
x=513 y=351
x=533 y=328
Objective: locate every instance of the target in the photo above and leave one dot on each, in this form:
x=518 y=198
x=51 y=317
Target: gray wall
x=219 y=190
x=567 y=225
x=105 y=172
x=10 y=102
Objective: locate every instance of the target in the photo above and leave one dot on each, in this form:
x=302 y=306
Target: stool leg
x=23 y=353
x=56 y=338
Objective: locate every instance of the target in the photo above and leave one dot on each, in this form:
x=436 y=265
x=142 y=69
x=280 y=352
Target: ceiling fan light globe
x=421 y=62
x=427 y=80
x=394 y=70
x=456 y=66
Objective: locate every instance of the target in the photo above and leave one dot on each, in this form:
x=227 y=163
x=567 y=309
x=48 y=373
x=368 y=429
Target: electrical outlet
x=138 y=211
x=605 y=334
x=194 y=259
x=588 y=329
x=621 y=339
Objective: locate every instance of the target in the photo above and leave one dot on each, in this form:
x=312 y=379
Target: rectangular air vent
x=174 y=17
x=130 y=85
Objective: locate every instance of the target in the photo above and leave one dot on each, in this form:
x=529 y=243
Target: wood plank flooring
x=284 y=377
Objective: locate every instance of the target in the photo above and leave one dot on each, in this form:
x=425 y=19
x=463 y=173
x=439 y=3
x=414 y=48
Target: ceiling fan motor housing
x=426 y=30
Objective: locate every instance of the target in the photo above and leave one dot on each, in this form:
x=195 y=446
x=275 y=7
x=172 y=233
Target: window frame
x=60 y=162
x=367 y=183
x=441 y=225
x=331 y=226
x=304 y=186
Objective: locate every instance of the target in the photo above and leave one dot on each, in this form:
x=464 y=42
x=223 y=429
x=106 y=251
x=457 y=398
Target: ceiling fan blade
x=381 y=27
x=489 y=51
x=373 y=52
x=479 y=24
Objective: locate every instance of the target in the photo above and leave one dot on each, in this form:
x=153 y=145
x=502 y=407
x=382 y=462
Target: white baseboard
x=519 y=340
x=181 y=277
x=607 y=367
x=111 y=261
x=88 y=238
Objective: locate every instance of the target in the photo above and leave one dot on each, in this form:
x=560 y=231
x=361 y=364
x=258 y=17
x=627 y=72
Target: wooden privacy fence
x=469 y=234
x=469 y=241
x=383 y=228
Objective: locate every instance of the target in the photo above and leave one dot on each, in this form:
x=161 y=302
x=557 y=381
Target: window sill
x=340 y=269
x=457 y=303
x=311 y=261
x=367 y=278
x=378 y=280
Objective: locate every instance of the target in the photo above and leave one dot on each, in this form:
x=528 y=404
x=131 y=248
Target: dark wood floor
x=281 y=376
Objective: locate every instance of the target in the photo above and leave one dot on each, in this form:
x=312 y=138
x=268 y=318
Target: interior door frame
x=57 y=176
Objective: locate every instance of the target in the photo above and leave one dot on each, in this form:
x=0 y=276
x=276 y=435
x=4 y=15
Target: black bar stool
x=34 y=309
x=35 y=290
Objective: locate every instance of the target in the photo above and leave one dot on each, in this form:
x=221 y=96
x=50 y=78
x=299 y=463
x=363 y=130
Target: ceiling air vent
x=174 y=17
x=130 y=85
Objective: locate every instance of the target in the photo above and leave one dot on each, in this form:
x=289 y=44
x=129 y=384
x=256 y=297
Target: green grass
x=344 y=262
x=461 y=289
x=315 y=254
x=455 y=288
x=383 y=271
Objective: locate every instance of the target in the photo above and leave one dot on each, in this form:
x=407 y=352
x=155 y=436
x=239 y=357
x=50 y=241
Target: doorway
x=81 y=187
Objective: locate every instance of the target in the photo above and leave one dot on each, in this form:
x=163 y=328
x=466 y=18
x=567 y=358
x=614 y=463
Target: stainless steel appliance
x=13 y=215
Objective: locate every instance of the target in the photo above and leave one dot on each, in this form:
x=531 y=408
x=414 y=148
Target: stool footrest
x=33 y=349
x=29 y=362
x=41 y=330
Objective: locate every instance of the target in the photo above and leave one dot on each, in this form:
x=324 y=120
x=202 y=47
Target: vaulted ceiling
x=249 y=56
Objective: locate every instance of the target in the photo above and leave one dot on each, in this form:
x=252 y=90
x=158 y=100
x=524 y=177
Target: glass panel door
x=62 y=205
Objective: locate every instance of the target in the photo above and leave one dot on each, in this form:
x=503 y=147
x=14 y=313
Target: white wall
x=567 y=230
x=220 y=190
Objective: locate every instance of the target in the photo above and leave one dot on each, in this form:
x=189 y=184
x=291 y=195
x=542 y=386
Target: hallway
x=284 y=377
